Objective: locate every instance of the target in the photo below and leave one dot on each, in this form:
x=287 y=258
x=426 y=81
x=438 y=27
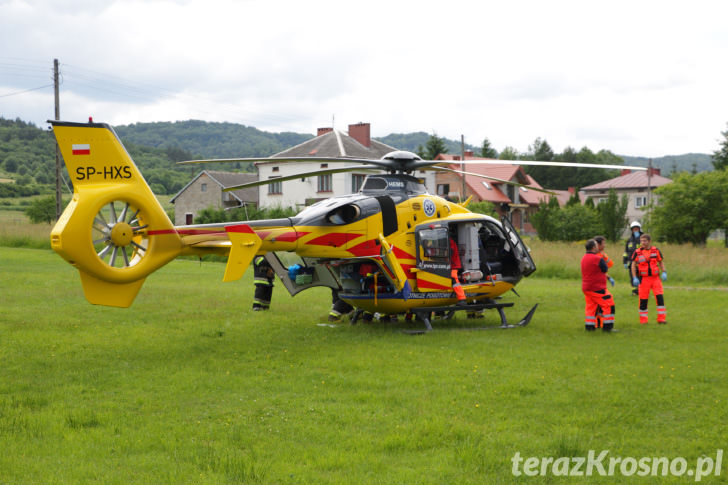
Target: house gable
x=206 y=190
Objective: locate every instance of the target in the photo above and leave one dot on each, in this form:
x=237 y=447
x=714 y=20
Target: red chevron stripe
x=334 y=239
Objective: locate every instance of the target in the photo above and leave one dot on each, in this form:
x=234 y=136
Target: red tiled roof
x=632 y=180
x=503 y=171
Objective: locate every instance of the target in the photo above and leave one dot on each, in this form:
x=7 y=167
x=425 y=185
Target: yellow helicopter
x=386 y=249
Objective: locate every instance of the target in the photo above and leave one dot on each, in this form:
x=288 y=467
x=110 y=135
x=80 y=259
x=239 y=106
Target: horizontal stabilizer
x=100 y=292
x=244 y=243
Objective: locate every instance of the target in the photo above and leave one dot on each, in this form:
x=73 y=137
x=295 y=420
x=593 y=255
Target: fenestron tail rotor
x=119 y=234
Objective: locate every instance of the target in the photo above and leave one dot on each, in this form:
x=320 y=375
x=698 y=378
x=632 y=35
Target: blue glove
x=664 y=276
x=611 y=280
x=635 y=281
x=626 y=265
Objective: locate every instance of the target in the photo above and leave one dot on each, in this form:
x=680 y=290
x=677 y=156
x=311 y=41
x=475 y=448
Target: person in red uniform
x=455 y=267
x=647 y=270
x=594 y=285
x=601 y=247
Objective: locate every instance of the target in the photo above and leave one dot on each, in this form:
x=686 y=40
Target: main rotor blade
x=283 y=160
x=543 y=164
x=516 y=184
x=302 y=175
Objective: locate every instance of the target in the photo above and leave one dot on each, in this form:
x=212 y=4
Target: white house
x=357 y=143
x=637 y=185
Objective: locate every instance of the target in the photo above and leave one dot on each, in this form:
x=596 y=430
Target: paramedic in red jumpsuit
x=647 y=264
x=594 y=285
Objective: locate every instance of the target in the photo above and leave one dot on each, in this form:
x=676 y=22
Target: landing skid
x=425 y=313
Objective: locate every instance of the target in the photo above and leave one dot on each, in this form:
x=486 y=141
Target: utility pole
x=58 y=151
x=462 y=165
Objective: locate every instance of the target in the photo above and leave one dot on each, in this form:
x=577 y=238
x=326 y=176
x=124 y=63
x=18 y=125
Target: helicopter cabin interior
x=484 y=250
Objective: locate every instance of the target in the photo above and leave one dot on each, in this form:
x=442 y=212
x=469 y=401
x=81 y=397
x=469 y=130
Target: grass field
x=190 y=386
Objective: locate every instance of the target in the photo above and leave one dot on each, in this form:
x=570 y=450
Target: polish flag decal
x=81 y=149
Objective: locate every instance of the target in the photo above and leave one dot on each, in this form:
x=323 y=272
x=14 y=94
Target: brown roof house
x=518 y=203
x=637 y=185
x=329 y=142
x=205 y=190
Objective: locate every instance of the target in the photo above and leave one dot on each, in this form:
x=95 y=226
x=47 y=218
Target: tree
x=613 y=215
x=487 y=151
x=541 y=150
x=544 y=220
x=508 y=153
x=483 y=207
x=691 y=207
x=434 y=146
x=720 y=156
x=720 y=162
x=42 y=210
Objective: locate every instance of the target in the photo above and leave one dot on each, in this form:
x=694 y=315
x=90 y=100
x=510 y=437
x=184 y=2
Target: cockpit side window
x=435 y=245
x=345 y=214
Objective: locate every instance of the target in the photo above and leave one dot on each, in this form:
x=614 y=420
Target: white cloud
x=638 y=78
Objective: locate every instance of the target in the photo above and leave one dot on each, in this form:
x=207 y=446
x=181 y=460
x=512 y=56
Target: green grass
x=190 y=386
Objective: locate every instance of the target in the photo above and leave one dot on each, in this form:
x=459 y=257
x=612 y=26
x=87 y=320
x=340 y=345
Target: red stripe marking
x=402 y=254
x=161 y=232
x=334 y=239
x=289 y=236
x=240 y=228
x=263 y=234
x=430 y=285
x=192 y=232
x=366 y=248
x=82 y=152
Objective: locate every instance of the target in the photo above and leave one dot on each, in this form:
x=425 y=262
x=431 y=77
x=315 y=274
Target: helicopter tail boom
x=114 y=231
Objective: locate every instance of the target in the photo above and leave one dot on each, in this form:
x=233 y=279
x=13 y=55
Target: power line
x=25 y=91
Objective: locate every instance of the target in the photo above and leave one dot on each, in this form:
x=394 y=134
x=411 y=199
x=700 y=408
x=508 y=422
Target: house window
x=357 y=180
x=640 y=201
x=324 y=183
x=443 y=189
x=275 y=188
x=203 y=187
x=601 y=200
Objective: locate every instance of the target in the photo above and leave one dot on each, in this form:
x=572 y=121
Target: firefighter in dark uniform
x=339 y=307
x=263 y=278
x=633 y=242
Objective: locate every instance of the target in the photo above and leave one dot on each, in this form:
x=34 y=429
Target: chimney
x=323 y=131
x=468 y=153
x=654 y=171
x=625 y=171
x=571 y=190
x=361 y=132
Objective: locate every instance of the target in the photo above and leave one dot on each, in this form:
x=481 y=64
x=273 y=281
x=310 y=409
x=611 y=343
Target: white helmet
x=635 y=224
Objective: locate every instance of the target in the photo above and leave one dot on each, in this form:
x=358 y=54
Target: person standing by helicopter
x=601 y=246
x=594 y=287
x=647 y=263
x=263 y=279
x=455 y=267
x=633 y=242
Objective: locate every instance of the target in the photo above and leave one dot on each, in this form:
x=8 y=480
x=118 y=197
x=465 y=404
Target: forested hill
x=689 y=162
x=210 y=140
x=27 y=155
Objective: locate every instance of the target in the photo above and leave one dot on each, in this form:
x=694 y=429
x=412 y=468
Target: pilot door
x=433 y=258
x=526 y=265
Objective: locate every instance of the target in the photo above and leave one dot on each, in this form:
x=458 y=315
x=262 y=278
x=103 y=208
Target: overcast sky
x=643 y=78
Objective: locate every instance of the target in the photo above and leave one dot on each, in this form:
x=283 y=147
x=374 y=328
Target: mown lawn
x=190 y=386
